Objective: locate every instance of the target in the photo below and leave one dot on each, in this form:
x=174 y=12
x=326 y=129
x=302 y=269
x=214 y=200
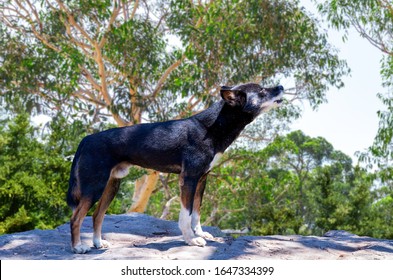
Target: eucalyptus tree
x=373 y=20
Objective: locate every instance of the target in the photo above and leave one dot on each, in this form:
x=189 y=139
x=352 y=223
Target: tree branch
x=135 y=8
x=379 y=44
x=115 y=13
x=74 y=23
x=30 y=21
x=166 y=74
x=78 y=43
x=80 y=94
x=86 y=73
x=167 y=206
x=34 y=11
x=256 y=139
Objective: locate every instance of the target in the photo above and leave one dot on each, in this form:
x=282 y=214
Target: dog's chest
x=215 y=161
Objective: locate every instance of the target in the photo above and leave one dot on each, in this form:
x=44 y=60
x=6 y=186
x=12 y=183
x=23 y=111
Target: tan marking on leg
x=109 y=194
x=77 y=218
x=196 y=213
x=185 y=218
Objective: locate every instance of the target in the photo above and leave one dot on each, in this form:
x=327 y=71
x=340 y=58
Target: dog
x=190 y=147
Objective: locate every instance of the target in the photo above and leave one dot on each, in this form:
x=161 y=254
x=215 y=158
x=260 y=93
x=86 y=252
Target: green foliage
x=34 y=175
x=295 y=185
x=373 y=20
x=121 y=60
x=232 y=40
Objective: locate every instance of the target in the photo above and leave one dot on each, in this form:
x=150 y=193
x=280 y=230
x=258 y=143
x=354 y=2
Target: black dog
x=189 y=147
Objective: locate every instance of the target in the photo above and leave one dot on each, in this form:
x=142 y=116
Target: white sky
x=349 y=120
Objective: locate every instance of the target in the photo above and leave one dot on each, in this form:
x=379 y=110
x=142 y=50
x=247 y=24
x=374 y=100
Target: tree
x=33 y=184
x=114 y=60
x=317 y=188
x=373 y=20
x=302 y=154
x=114 y=56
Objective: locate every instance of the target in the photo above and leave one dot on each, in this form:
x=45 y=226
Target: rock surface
x=138 y=236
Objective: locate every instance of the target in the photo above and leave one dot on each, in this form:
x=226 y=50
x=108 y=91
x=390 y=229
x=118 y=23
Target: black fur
x=185 y=146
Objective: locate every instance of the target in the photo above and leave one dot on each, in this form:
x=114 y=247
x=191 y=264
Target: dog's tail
x=74 y=190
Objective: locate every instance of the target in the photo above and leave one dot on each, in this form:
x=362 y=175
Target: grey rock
x=139 y=236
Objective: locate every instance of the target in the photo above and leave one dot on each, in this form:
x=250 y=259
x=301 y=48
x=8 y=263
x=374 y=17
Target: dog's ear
x=233 y=97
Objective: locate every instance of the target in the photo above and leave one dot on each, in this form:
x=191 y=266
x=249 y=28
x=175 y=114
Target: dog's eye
x=263 y=92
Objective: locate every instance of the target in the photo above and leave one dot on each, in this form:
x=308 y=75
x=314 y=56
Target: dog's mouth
x=279 y=92
x=276 y=99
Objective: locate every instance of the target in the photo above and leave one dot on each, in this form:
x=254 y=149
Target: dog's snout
x=278 y=90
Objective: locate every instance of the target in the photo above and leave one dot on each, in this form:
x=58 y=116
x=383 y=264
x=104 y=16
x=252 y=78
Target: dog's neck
x=224 y=123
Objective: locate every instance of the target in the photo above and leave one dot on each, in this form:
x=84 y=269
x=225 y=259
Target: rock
x=139 y=236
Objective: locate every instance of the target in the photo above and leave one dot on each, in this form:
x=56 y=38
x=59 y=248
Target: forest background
x=92 y=65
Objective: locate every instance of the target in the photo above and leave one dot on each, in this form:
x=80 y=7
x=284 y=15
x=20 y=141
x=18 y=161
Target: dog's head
x=253 y=98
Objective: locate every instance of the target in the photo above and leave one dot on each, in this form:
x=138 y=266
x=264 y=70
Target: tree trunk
x=144 y=187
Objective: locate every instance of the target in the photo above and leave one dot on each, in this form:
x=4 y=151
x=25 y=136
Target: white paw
x=196 y=241
x=81 y=249
x=99 y=243
x=204 y=235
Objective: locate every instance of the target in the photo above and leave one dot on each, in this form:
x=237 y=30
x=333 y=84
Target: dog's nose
x=280 y=88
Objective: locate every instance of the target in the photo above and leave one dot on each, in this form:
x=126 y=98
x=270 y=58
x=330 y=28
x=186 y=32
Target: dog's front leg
x=196 y=226
x=188 y=186
x=196 y=212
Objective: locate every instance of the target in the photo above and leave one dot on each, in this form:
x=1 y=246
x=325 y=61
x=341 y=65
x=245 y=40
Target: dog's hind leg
x=196 y=212
x=188 y=186
x=78 y=215
x=109 y=194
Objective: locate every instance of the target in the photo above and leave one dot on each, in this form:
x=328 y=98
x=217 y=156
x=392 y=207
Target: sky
x=349 y=120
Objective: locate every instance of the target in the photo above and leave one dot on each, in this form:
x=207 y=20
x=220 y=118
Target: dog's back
x=109 y=154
